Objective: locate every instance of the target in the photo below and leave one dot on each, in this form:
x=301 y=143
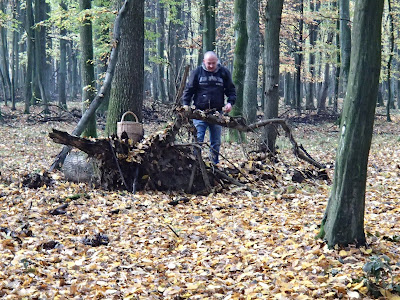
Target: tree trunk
x=14 y=55
x=337 y=69
x=87 y=62
x=273 y=13
x=127 y=86
x=252 y=58
x=313 y=32
x=4 y=60
x=208 y=25
x=160 y=50
x=343 y=222
x=74 y=73
x=40 y=52
x=345 y=41
x=390 y=101
x=324 y=91
x=30 y=56
x=299 y=60
x=288 y=89
x=239 y=61
x=62 y=73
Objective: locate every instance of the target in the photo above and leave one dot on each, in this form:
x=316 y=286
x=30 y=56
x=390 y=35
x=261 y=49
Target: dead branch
x=240 y=125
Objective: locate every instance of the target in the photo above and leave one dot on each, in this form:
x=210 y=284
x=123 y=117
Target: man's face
x=211 y=63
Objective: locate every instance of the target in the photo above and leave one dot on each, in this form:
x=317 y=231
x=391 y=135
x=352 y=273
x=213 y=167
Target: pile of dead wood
x=160 y=163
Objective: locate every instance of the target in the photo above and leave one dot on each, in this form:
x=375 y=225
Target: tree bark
x=337 y=69
x=40 y=52
x=343 y=222
x=160 y=50
x=345 y=41
x=62 y=73
x=299 y=60
x=30 y=55
x=252 y=60
x=15 y=54
x=208 y=25
x=239 y=61
x=390 y=101
x=4 y=60
x=87 y=63
x=313 y=32
x=273 y=13
x=127 y=86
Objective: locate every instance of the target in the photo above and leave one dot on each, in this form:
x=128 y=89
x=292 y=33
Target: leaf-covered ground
x=69 y=241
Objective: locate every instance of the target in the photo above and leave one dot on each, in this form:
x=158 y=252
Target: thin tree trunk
x=160 y=50
x=62 y=73
x=313 y=32
x=88 y=80
x=345 y=41
x=337 y=69
x=390 y=101
x=5 y=60
x=299 y=60
x=30 y=56
x=14 y=55
x=252 y=58
x=239 y=62
x=40 y=52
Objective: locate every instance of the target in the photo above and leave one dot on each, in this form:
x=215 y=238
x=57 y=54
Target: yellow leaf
x=343 y=253
x=387 y=294
x=358 y=286
x=193 y=286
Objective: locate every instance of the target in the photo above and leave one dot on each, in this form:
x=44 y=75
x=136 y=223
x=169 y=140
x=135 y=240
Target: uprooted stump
x=159 y=163
x=155 y=163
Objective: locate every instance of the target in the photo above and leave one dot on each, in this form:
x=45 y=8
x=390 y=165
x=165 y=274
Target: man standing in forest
x=207 y=86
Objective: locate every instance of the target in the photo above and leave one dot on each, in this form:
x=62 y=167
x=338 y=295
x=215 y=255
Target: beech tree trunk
x=313 y=32
x=390 y=101
x=160 y=49
x=273 y=13
x=343 y=222
x=208 y=25
x=62 y=73
x=30 y=55
x=239 y=61
x=252 y=60
x=299 y=60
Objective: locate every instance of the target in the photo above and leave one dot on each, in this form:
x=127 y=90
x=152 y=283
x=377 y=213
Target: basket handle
x=129 y=112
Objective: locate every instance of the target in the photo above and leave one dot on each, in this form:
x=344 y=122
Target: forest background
x=50 y=63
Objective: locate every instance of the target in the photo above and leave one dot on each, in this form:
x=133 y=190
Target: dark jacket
x=207 y=89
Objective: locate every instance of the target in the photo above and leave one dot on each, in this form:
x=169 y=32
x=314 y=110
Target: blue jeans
x=215 y=137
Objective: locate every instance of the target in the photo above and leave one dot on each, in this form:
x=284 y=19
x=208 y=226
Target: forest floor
x=236 y=244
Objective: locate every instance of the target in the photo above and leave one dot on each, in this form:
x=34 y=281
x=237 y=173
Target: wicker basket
x=134 y=130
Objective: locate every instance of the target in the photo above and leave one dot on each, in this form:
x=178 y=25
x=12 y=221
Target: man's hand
x=227 y=108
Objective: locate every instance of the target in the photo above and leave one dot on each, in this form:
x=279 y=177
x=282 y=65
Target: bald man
x=207 y=87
